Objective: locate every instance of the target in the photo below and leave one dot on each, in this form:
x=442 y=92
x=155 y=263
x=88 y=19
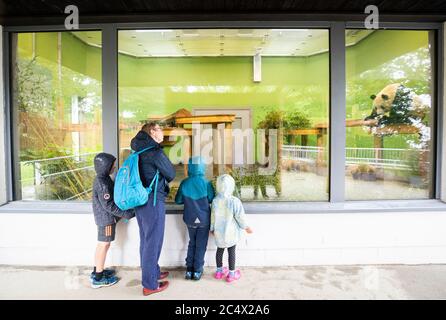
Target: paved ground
x=331 y=282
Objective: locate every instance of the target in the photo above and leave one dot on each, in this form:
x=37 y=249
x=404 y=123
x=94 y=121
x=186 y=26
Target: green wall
x=155 y=86
x=164 y=85
x=76 y=55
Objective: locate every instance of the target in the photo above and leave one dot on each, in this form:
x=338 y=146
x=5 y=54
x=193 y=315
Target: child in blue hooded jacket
x=196 y=193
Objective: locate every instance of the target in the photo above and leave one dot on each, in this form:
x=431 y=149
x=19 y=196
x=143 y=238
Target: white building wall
x=278 y=240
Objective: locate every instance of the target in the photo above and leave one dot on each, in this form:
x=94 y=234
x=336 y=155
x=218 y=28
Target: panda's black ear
x=385 y=96
x=372 y=97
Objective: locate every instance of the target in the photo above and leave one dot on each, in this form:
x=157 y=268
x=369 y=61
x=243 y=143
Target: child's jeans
x=198 y=241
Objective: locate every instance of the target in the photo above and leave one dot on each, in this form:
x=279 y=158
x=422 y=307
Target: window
x=56 y=104
x=390 y=114
x=253 y=102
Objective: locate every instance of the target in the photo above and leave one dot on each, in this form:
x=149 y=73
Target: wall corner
x=3 y=173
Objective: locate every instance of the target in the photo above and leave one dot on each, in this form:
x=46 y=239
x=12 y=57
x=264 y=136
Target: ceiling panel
x=223 y=42
x=217 y=42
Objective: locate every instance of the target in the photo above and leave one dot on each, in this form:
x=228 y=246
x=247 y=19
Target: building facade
x=332 y=131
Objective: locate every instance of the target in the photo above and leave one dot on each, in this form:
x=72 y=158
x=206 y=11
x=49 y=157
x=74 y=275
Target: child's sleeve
x=239 y=214
x=179 y=195
x=211 y=192
x=107 y=202
x=212 y=227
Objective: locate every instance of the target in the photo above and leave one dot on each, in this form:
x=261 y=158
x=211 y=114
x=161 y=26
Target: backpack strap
x=143 y=150
x=156 y=187
x=155 y=178
x=149 y=188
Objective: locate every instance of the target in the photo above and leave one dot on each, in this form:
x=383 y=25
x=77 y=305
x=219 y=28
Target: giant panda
x=396 y=104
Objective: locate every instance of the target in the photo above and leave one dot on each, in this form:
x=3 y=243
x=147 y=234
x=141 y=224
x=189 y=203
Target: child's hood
x=196 y=166
x=103 y=163
x=225 y=185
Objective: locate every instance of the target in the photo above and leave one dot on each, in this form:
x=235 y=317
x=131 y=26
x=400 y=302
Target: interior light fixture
x=257 y=68
x=245 y=33
x=153 y=30
x=190 y=33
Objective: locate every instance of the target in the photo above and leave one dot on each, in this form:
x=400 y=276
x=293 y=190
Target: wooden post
x=424 y=157
x=216 y=149
x=187 y=148
x=320 y=144
x=378 y=143
x=304 y=140
x=228 y=145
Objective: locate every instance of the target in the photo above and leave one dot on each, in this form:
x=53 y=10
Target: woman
x=151 y=216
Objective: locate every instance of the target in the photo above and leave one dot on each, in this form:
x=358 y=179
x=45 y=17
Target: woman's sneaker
x=104 y=282
x=107 y=273
x=221 y=274
x=232 y=276
x=188 y=275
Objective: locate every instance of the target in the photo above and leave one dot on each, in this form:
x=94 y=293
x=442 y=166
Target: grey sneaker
x=107 y=273
x=104 y=282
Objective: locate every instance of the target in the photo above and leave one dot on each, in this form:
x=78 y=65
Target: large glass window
x=390 y=112
x=56 y=102
x=253 y=102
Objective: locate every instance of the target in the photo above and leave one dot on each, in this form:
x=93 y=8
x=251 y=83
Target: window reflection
x=57 y=106
x=270 y=135
x=389 y=112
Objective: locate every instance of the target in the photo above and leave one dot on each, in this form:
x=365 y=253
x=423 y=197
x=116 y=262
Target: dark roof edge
x=141 y=18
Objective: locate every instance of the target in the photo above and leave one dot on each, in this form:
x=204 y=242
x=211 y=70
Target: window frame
x=337 y=112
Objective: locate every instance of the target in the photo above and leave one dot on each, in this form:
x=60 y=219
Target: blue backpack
x=129 y=191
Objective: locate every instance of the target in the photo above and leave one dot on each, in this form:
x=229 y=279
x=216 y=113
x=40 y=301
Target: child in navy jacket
x=196 y=193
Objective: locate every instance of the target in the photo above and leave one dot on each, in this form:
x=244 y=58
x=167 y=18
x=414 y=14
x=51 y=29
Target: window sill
x=59 y=207
x=46 y=207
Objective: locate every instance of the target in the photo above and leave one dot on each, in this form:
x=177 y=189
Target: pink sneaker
x=222 y=274
x=236 y=276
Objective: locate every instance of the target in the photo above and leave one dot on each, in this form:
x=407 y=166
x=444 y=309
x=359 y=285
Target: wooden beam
x=177 y=132
x=351 y=123
x=303 y=132
x=396 y=129
x=207 y=119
